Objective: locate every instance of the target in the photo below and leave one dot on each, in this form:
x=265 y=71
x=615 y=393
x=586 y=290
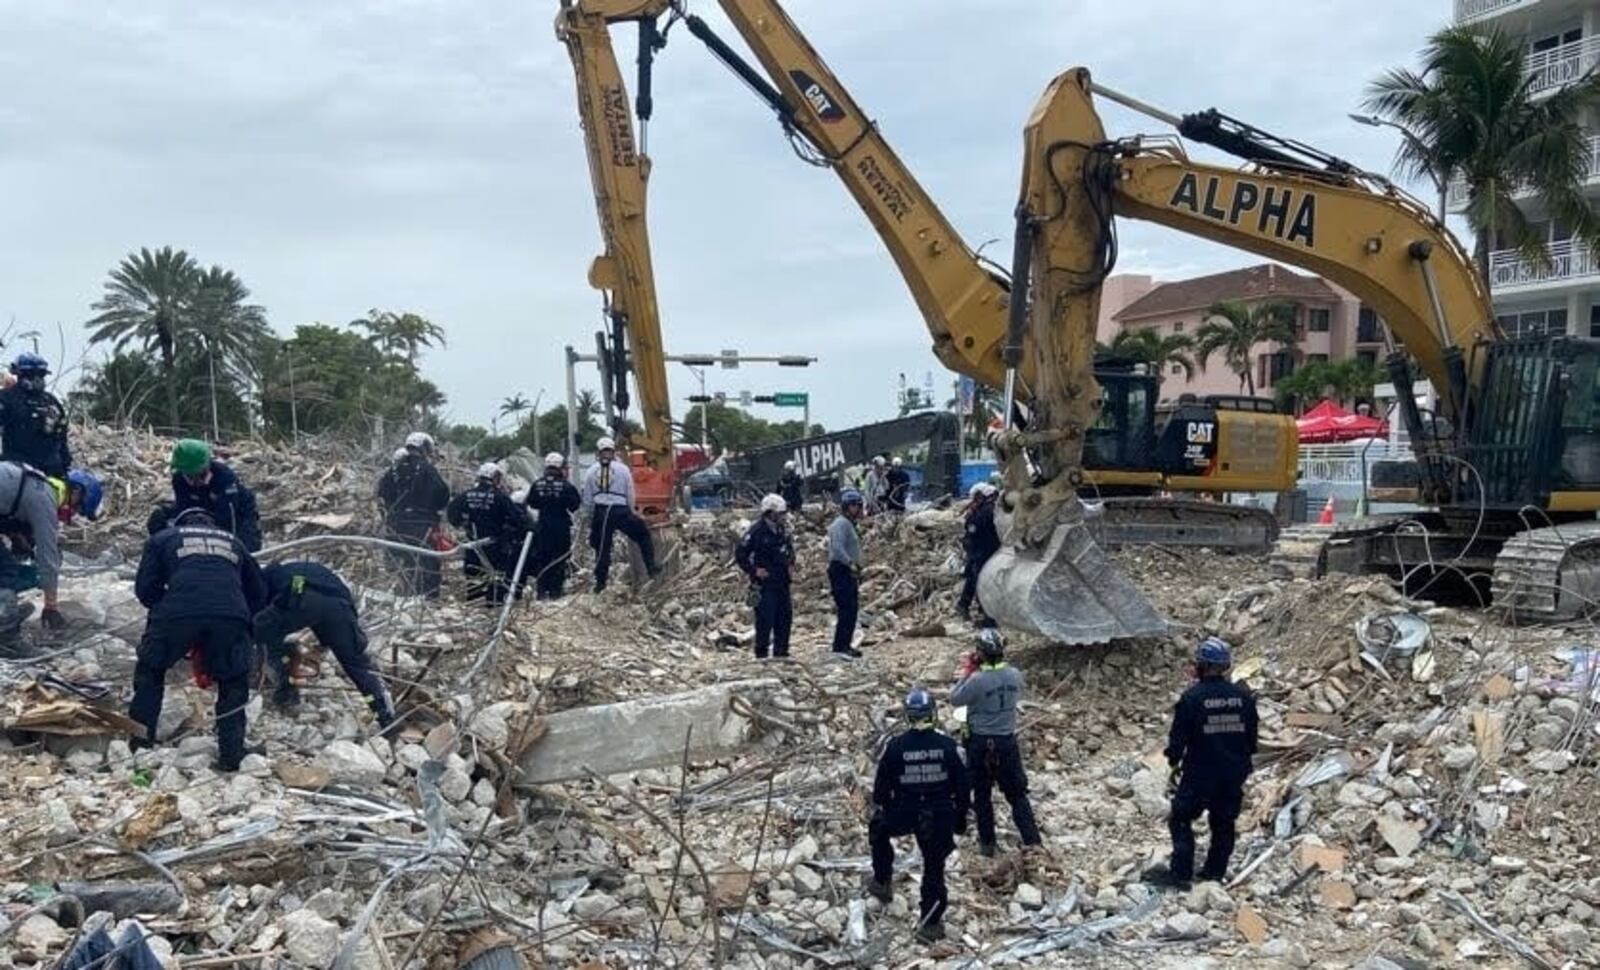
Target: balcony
x=1457 y=196
x=1569 y=261
x=1559 y=66
x=1471 y=11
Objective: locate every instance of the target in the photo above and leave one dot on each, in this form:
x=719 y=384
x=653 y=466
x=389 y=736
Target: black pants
x=225 y=649
x=548 y=563
x=995 y=760
x=774 y=617
x=336 y=627
x=847 y=599
x=605 y=522
x=969 y=581
x=1220 y=799
x=935 y=831
x=419 y=575
x=489 y=569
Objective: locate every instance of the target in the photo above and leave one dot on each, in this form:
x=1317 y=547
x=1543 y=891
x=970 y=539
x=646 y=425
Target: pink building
x=1332 y=324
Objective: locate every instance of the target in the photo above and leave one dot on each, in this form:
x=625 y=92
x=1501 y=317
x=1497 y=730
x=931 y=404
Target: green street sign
x=789 y=400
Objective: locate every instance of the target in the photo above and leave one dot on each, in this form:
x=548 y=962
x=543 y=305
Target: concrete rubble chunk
x=1028 y=896
x=310 y=939
x=349 y=762
x=1553 y=762
x=39 y=936
x=1184 y=926
x=1337 y=894
x=1401 y=836
x=1571 y=938
x=610 y=739
x=1251 y=925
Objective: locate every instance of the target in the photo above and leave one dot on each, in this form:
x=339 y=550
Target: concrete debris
x=620 y=783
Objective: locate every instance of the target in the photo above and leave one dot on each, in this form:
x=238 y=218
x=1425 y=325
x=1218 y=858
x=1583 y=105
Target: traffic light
x=701 y=399
x=764 y=399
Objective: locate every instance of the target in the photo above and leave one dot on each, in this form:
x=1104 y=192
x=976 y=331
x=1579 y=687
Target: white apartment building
x=1563 y=42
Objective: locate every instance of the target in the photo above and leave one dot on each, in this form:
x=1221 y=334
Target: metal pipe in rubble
x=505 y=614
x=282 y=547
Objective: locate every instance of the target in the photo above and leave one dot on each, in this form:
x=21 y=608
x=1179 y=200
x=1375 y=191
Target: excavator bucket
x=1067 y=590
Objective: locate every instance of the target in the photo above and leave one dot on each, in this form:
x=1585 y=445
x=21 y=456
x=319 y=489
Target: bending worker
x=608 y=492
x=31 y=509
x=554 y=499
x=920 y=789
x=33 y=424
x=766 y=554
x=990 y=689
x=202 y=587
x=200 y=481
x=309 y=595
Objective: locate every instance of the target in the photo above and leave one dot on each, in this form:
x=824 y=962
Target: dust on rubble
x=1435 y=805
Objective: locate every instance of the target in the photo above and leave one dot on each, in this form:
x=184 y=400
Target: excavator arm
x=619 y=171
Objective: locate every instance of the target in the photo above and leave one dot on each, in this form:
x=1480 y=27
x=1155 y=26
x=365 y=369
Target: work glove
x=53 y=620
x=1174 y=771
x=752 y=596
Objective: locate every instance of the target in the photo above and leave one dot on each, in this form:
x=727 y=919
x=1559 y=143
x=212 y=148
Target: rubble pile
x=1426 y=790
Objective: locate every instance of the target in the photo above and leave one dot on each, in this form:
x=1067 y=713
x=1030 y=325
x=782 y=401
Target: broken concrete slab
x=1400 y=835
x=610 y=739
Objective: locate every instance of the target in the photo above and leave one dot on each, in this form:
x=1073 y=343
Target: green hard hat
x=191 y=456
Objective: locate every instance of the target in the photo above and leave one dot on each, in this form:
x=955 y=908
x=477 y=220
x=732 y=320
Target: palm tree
x=231 y=329
x=1473 y=112
x=1161 y=351
x=147 y=301
x=589 y=405
x=1235 y=328
x=401 y=335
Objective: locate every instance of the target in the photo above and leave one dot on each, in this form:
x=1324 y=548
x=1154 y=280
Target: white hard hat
x=773 y=503
x=419 y=439
x=789 y=465
x=488 y=471
x=605 y=444
x=975 y=490
x=877 y=459
x=897 y=461
x=400 y=453
x=984 y=489
x=555 y=460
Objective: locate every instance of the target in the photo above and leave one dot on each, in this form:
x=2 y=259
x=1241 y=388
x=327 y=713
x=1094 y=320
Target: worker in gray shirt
x=844 y=572
x=990 y=689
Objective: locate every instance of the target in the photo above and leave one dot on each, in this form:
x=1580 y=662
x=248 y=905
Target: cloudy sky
x=425 y=155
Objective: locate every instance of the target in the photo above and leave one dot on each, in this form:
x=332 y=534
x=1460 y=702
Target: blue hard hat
x=850 y=497
x=93 y=491
x=30 y=364
x=1214 y=651
x=919 y=705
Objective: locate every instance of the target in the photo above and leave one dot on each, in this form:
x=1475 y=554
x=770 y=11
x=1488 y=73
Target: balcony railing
x=1560 y=66
x=1568 y=261
x=1469 y=10
x=1457 y=196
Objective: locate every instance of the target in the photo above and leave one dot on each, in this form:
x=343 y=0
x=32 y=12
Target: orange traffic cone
x=1326 y=518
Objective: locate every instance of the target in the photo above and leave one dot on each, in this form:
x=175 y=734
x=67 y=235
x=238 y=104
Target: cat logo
x=821 y=101
x=1272 y=206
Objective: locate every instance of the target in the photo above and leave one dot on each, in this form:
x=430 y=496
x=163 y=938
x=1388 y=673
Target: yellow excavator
x=1508 y=464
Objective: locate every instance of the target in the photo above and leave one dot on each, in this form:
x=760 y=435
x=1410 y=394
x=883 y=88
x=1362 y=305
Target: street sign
x=720 y=397
x=790 y=400
x=746 y=398
x=730 y=360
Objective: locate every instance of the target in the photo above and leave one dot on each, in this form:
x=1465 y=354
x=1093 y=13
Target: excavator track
x=1301 y=550
x=1185 y=522
x=1551 y=573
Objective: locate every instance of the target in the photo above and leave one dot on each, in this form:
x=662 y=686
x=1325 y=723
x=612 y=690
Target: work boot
x=987 y=849
x=881 y=891
x=227 y=766
x=1161 y=876
x=287 y=699
x=930 y=932
x=848 y=653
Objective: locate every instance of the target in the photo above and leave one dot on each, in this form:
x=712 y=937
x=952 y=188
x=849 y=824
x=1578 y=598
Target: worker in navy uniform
x=1209 y=749
x=766 y=554
x=920 y=789
x=554 y=499
x=309 y=595
x=608 y=492
x=33 y=424
x=990 y=689
x=202 y=587
x=897 y=484
x=792 y=486
x=487 y=512
x=980 y=540
x=199 y=481
x=413 y=493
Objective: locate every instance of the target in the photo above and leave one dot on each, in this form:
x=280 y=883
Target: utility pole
x=572 y=409
x=537 y=448
x=294 y=410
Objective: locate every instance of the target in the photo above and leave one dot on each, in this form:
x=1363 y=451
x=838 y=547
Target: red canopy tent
x=1328 y=422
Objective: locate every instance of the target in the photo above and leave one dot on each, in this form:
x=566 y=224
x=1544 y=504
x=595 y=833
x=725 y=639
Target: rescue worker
x=413 y=494
x=1209 y=750
x=202 y=587
x=200 y=481
x=554 y=499
x=876 y=488
x=32 y=507
x=897 y=486
x=844 y=572
x=608 y=493
x=792 y=486
x=309 y=595
x=766 y=554
x=980 y=540
x=487 y=512
x=920 y=789
x=33 y=424
x=990 y=689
